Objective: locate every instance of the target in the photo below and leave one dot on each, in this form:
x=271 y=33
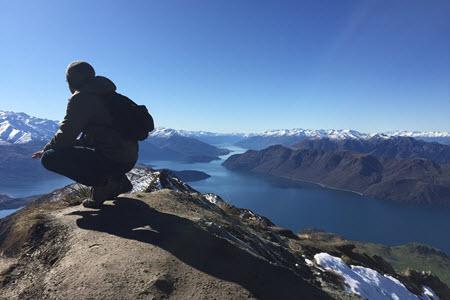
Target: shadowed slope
x=134 y=219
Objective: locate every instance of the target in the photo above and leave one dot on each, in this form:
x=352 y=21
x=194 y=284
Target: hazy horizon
x=239 y=66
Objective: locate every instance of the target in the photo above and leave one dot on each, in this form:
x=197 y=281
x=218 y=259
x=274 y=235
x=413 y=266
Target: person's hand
x=37 y=154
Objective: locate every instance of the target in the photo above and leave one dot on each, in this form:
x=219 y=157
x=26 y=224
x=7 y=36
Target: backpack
x=132 y=121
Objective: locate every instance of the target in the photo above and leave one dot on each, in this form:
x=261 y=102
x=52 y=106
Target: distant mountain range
x=396 y=166
x=288 y=137
x=22 y=128
x=204 y=136
x=415 y=180
x=442 y=137
x=168 y=144
x=21 y=134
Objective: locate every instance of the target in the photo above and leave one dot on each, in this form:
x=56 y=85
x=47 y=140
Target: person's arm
x=78 y=114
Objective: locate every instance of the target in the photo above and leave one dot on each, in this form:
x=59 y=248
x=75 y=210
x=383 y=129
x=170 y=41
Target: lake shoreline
x=328 y=187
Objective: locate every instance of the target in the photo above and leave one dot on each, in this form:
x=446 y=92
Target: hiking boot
x=89 y=202
x=100 y=194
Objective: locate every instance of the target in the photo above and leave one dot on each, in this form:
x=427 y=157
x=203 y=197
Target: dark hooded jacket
x=88 y=115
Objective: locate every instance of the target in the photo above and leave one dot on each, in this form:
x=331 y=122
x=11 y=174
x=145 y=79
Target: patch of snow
x=12 y=134
x=158 y=182
x=429 y=292
x=309 y=262
x=367 y=282
x=24 y=138
x=140 y=178
x=213 y=198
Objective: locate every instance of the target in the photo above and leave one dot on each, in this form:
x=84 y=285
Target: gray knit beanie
x=78 y=73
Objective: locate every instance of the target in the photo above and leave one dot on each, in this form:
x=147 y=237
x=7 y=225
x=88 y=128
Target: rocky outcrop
x=166 y=240
x=410 y=180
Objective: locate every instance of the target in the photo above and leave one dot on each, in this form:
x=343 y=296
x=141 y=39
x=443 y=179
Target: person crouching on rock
x=97 y=142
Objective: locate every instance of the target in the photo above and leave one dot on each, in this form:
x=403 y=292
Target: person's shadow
x=197 y=248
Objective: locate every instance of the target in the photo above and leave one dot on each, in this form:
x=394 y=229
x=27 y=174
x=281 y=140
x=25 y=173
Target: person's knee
x=48 y=159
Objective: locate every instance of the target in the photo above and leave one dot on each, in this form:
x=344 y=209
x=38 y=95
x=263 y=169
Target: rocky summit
x=166 y=240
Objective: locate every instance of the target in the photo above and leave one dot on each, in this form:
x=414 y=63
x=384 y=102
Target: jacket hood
x=98 y=85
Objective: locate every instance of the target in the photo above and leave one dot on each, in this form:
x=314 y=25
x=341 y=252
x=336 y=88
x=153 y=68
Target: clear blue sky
x=238 y=65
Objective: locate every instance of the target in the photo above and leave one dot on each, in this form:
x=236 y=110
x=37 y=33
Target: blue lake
x=24 y=189
x=6 y=212
x=300 y=205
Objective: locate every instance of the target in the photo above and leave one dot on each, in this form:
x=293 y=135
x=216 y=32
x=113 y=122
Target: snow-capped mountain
x=204 y=136
x=419 y=134
x=20 y=128
x=316 y=133
x=442 y=137
x=341 y=134
x=162 y=132
x=212 y=134
x=167 y=132
x=291 y=136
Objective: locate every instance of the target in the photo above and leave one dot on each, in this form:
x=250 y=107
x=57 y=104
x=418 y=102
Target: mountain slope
x=185 y=148
x=204 y=136
x=20 y=128
x=169 y=144
x=412 y=180
x=173 y=243
x=393 y=147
